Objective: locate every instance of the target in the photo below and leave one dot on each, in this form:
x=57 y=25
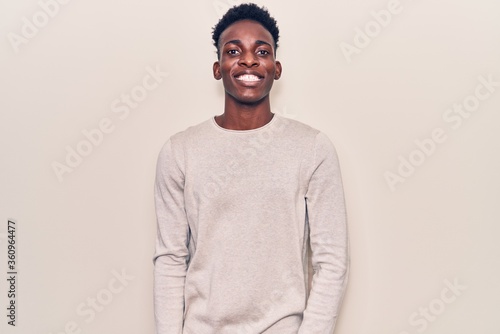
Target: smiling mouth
x=248 y=78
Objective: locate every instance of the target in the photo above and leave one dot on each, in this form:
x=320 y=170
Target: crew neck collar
x=265 y=126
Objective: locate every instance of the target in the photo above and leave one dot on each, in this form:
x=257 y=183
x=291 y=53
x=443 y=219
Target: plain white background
x=435 y=225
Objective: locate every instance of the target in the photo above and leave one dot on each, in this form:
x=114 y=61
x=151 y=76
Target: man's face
x=247 y=65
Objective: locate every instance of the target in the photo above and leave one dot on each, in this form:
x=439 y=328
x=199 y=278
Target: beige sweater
x=234 y=213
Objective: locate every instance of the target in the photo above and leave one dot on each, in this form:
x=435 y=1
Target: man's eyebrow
x=233 y=41
x=237 y=41
x=262 y=42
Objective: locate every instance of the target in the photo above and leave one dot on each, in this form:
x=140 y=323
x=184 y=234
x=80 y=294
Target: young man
x=237 y=199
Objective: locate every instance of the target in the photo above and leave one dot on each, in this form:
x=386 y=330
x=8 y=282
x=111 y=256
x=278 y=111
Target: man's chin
x=248 y=100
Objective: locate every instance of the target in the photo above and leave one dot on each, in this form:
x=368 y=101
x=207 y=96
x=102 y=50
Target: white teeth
x=248 y=77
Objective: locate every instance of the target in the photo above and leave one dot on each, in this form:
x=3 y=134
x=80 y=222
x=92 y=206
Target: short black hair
x=246 y=11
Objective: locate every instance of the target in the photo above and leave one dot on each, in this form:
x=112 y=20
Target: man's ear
x=277 y=74
x=216 y=69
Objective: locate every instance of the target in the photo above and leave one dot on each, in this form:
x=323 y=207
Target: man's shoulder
x=308 y=135
x=298 y=129
x=193 y=132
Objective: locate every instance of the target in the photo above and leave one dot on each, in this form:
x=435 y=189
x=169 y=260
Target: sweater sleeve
x=327 y=221
x=171 y=251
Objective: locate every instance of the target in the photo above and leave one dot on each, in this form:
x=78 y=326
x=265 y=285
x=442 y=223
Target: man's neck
x=245 y=117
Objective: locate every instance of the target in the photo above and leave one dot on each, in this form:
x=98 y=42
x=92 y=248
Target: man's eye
x=232 y=52
x=263 y=52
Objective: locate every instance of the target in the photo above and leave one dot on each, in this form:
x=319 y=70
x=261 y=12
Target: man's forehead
x=246 y=29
